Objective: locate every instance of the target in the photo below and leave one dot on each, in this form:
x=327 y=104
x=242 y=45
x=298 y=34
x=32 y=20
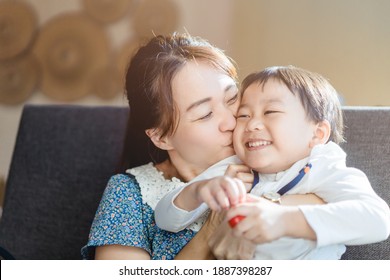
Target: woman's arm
x=196 y=249
x=120 y=252
x=301 y=199
x=105 y=228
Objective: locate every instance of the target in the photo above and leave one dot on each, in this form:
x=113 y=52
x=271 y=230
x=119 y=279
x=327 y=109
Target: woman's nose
x=228 y=121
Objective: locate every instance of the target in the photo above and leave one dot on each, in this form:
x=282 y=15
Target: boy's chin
x=263 y=169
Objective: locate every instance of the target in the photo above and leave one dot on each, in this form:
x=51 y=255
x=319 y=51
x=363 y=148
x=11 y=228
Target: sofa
x=65 y=154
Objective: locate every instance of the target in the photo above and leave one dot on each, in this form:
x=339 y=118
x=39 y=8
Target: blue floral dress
x=125 y=215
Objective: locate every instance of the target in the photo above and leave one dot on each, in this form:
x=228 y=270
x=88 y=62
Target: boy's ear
x=321 y=133
x=160 y=142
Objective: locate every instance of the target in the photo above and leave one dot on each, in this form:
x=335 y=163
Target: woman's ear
x=321 y=133
x=160 y=142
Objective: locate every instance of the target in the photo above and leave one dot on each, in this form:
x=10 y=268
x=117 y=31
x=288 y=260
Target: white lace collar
x=154 y=186
x=152 y=183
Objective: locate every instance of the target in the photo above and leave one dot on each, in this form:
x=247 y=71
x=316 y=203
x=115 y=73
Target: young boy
x=288 y=128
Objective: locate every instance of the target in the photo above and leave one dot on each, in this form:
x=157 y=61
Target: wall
x=345 y=40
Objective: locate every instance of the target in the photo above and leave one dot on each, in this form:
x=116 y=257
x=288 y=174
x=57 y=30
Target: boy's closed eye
x=271 y=112
x=242 y=116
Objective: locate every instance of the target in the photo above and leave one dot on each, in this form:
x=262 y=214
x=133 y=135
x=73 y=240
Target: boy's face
x=272 y=131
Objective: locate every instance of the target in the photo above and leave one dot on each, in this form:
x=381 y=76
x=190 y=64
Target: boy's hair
x=317 y=95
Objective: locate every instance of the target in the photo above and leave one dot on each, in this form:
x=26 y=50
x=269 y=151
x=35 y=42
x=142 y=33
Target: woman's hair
x=316 y=94
x=149 y=90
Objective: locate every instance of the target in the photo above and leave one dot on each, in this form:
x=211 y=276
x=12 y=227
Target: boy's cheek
x=237 y=133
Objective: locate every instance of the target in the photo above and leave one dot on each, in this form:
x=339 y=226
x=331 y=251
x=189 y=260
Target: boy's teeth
x=258 y=143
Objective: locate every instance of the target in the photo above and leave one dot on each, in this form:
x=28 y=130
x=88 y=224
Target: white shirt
x=354 y=215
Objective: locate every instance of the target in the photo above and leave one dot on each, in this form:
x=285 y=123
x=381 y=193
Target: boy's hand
x=221 y=192
x=241 y=172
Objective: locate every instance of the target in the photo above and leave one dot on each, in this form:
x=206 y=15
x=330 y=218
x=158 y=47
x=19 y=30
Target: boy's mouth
x=258 y=143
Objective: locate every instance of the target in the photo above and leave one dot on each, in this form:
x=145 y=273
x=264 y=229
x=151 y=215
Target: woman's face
x=207 y=101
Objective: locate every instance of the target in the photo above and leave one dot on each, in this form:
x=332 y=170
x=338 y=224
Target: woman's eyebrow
x=199 y=102
x=231 y=86
x=208 y=99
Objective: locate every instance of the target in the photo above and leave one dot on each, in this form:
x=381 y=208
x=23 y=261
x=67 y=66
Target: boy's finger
x=214 y=205
x=233 y=190
x=246 y=177
x=222 y=199
x=233 y=169
x=208 y=198
x=241 y=190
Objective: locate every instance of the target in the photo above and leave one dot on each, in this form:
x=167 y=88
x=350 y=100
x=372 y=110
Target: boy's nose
x=254 y=124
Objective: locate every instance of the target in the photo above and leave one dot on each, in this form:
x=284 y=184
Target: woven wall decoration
x=155 y=17
x=70 y=56
x=19 y=78
x=107 y=82
x=18 y=27
x=107 y=11
x=71 y=48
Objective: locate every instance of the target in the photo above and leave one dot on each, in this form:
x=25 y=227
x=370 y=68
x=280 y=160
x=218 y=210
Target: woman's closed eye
x=233 y=100
x=205 y=117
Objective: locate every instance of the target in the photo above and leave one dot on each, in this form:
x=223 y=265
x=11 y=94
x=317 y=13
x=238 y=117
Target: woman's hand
x=266 y=221
x=197 y=248
x=225 y=246
x=263 y=220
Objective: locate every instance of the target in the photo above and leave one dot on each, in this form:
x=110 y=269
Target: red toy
x=235 y=220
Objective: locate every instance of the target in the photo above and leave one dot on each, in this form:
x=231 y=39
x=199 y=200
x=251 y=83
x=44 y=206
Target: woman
x=183 y=96
x=180 y=90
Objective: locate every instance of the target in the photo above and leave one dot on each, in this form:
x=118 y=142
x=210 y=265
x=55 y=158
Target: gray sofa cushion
x=64 y=156
x=368 y=148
